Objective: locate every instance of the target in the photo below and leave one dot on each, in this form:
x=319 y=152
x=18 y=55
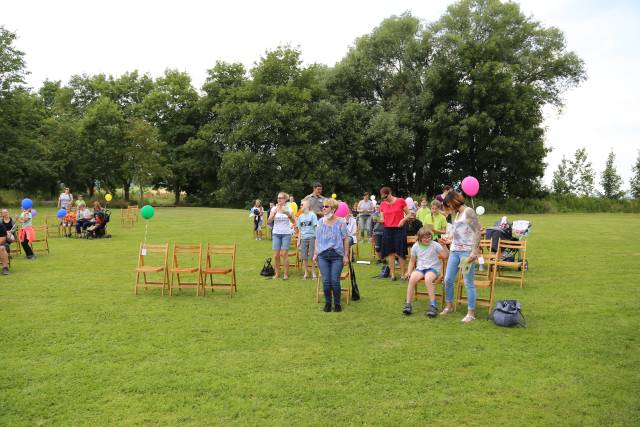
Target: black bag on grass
x=355 y=292
x=508 y=313
x=267 y=269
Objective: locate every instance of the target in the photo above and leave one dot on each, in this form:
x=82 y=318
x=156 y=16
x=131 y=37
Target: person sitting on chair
x=68 y=222
x=83 y=220
x=4 y=255
x=413 y=224
x=97 y=225
x=8 y=224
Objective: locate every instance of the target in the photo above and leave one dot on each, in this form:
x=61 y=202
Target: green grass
x=77 y=347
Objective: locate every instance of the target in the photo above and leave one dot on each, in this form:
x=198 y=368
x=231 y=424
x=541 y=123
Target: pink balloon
x=470 y=186
x=343 y=210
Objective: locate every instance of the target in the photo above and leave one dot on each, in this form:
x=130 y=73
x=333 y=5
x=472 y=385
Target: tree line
x=412 y=105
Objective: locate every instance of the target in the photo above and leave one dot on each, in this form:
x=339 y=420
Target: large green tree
x=611 y=182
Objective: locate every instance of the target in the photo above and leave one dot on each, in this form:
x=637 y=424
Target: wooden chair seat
x=184 y=270
x=217 y=270
x=149 y=269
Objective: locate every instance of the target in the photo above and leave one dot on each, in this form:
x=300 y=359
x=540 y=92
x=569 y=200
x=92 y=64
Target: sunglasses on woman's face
x=326 y=207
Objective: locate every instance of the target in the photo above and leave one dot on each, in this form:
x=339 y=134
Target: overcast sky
x=64 y=37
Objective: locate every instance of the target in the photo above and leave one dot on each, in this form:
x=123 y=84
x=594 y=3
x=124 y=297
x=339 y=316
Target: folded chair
x=511 y=255
x=294 y=254
x=41 y=243
x=221 y=261
x=345 y=276
x=159 y=253
x=186 y=259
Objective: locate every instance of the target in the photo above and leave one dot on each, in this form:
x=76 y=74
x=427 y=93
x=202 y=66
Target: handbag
x=267 y=269
x=10 y=237
x=355 y=292
x=508 y=313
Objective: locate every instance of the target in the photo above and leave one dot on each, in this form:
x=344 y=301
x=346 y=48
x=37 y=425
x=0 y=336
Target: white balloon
x=480 y=210
x=373 y=197
x=409 y=200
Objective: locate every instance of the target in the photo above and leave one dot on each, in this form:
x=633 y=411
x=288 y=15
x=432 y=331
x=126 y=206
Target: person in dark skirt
x=394 y=212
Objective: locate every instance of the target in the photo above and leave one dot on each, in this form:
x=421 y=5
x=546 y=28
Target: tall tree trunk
x=177 y=194
x=127 y=187
x=141 y=194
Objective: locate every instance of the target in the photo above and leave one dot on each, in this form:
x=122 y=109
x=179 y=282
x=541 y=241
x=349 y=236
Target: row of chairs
x=186 y=260
x=130 y=215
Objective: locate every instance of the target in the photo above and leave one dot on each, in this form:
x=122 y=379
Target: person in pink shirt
x=394 y=212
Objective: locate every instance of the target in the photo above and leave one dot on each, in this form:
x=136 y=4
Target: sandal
x=468 y=318
x=447 y=310
x=285 y=278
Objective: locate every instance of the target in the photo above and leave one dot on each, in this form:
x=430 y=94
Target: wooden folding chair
x=53 y=223
x=294 y=254
x=438 y=285
x=481 y=281
x=144 y=268
x=344 y=276
x=41 y=243
x=213 y=268
x=188 y=252
x=519 y=250
x=489 y=259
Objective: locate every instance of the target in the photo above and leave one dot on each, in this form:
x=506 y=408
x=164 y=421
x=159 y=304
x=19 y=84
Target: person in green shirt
x=433 y=216
x=80 y=202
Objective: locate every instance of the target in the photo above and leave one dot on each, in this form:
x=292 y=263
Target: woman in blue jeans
x=465 y=243
x=331 y=252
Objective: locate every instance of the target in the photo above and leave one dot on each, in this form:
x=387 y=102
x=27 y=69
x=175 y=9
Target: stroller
x=99 y=229
x=504 y=230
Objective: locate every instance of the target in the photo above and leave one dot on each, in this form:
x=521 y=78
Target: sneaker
x=432 y=311
x=5 y=271
x=407 y=309
x=327 y=307
x=337 y=308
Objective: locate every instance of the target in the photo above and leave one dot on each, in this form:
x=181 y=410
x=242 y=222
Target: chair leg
x=318 y=290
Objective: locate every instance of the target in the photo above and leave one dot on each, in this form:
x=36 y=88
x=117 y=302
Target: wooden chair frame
x=295 y=253
x=345 y=275
x=58 y=224
x=209 y=270
x=40 y=230
x=481 y=280
x=439 y=281
x=177 y=269
x=519 y=265
x=143 y=269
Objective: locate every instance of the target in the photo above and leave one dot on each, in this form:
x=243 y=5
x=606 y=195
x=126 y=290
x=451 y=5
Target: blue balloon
x=27 y=204
x=61 y=213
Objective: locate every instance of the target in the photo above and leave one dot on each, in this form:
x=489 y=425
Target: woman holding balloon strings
x=394 y=240
x=463 y=252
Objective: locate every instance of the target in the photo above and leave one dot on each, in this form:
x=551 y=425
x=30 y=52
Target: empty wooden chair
x=345 y=288
x=511 y=261
x=53 y=223
x=186 y=259
x=294 y=254
x=220 y=262
x=148 y=266
x=41 y=243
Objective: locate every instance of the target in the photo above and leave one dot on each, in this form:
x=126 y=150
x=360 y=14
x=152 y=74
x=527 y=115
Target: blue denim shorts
x=280 y=242
x=426 y=270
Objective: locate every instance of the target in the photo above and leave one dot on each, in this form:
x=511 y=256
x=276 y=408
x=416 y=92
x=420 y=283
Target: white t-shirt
x=65 y=200
x=281 y=222
x=427 y=255
x=366 y=208
x=352 y=229
x=463 y=234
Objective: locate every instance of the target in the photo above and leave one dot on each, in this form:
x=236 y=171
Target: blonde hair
x=427 y=230
x=333 y=203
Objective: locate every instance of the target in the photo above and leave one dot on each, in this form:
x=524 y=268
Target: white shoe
x=468 y=318
x=446 y=311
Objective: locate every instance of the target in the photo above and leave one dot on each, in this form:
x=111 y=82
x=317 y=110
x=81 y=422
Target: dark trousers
x=27 y=249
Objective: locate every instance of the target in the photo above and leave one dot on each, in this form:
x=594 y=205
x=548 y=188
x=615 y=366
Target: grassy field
x=77 y=347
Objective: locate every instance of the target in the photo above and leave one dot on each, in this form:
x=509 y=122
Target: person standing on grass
x=256 y=214
x=307 y=223
x=464 y=247
x=331 y=253
x=26 y=232
x=315 y=199
x=394 y=240
x=425 y=259
x=66 y=199
x=365 y=210
x=281 y=217
x=4 y=253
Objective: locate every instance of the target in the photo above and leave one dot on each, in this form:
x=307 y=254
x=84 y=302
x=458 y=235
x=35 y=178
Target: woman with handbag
x=331 y=252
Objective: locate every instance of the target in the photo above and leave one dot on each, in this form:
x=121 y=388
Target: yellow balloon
x=334 y=195
x=293 y=206
x=108 y=197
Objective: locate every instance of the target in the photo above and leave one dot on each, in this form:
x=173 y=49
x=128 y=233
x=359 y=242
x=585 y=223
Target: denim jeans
x=330 y=265
x=450 y=277
x=364 y=222
x=280 y=242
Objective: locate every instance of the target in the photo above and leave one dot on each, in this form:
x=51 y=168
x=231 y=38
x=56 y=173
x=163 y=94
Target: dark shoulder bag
x=508 y=313
x=267 y=269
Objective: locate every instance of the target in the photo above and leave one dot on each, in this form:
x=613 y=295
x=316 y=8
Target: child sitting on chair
x=96 y=223
x=425 y=253
x=68 y=222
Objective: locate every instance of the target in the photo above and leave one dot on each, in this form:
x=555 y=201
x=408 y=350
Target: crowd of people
x=78 y=218
x=444 y=229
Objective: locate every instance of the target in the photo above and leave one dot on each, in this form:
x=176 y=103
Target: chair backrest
x=162 y=249
x=411 y=240
x=41 y=232
x=485 y=245
x=513 y=245
x=187 y=250
x=229 y=250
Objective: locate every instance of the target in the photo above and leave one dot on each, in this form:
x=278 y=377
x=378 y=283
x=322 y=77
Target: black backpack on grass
x=267 y=269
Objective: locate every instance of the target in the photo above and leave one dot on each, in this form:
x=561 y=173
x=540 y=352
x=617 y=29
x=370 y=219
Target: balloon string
x=145 y=235
x=473 y=204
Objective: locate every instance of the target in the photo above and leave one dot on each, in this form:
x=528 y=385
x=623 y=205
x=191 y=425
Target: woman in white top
x=281 y=217
x=65 y=200
x=465 y=242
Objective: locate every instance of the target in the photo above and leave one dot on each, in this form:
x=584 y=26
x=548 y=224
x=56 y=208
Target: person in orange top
x=68 y=222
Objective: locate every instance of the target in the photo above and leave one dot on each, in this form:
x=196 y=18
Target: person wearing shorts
x=281 y=217
x=307 y=223
x=425 y=258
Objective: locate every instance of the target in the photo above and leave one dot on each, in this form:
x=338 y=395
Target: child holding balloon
x=26 y=234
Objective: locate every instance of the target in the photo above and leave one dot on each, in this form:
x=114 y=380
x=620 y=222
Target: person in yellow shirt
x=433 y=216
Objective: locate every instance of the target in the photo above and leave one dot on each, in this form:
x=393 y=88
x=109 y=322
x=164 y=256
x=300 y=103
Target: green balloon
x=147 y=212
